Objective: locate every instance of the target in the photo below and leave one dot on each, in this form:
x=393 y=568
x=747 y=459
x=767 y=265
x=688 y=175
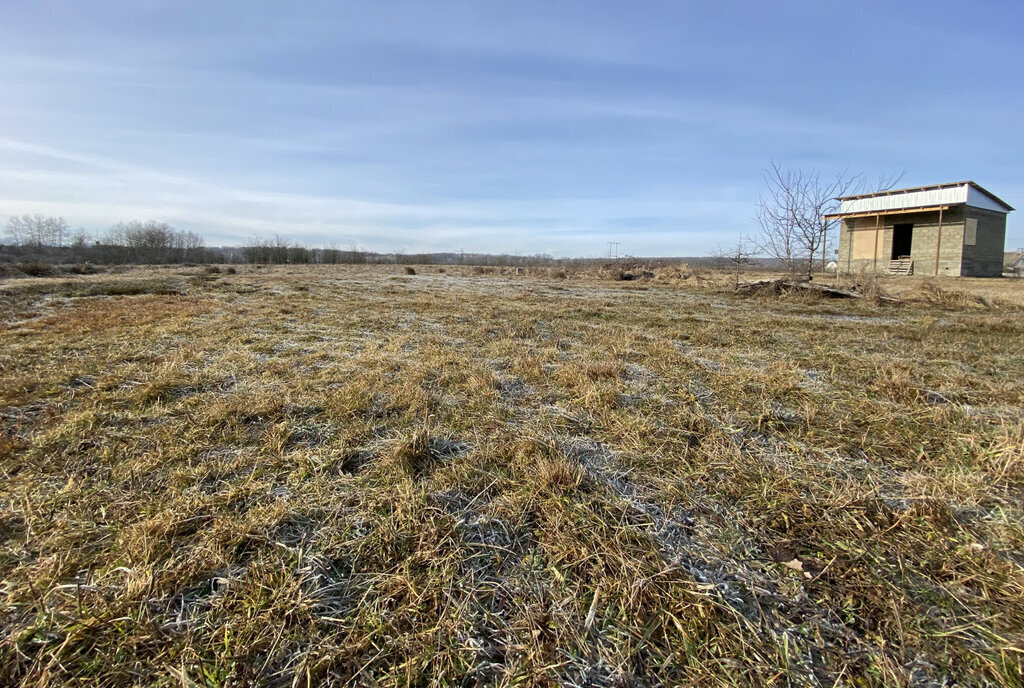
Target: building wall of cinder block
x=857 y=248
x=984 y=243
x=947 y=246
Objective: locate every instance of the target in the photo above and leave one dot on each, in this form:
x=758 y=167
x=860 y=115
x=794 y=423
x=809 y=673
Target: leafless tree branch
x=792 y=213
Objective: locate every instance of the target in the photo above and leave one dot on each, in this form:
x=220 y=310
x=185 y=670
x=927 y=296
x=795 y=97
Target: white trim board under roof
x=922 y=197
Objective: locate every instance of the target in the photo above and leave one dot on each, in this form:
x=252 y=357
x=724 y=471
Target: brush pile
x=790 y=284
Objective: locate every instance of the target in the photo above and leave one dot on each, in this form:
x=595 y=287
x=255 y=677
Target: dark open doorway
x=902 y=239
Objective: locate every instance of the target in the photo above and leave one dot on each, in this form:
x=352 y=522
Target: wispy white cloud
x=228 y=213
x=493 y=125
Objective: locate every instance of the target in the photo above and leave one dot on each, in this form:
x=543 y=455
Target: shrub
x=83 y=269
x=35 y=269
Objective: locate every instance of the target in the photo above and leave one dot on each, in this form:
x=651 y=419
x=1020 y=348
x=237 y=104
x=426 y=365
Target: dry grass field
x=293 y=477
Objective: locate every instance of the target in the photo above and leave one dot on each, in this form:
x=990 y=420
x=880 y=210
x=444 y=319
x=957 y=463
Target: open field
x=313 y=476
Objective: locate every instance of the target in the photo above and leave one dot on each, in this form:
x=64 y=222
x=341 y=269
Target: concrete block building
x=954 y=229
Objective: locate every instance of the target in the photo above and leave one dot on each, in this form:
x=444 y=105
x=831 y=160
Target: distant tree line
x=154 y=242
x=280 y=250
x=49 y=239
x=38 y=232
x=38 y=238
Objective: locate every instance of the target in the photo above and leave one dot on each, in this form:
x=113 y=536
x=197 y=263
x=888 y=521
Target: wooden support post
x=938 y=244
x=824 y=243
x=878 y=222
x=849 y=250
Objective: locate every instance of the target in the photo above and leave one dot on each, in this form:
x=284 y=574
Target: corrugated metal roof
x=954 y=193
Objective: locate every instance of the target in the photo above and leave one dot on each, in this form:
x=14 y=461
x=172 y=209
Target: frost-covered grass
x=317 y=476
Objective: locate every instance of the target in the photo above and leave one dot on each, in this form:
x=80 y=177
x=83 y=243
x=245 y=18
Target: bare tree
x=355 y=256
x=155 y=242
x=80 y=238
x=792 y=213
x=736 y=258
x=256 y=251
x=36 y=231
x=279 y=249
x=330 y=255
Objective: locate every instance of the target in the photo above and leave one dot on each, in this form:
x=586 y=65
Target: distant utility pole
x=613 y=249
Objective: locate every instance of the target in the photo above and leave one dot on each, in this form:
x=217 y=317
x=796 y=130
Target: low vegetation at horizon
x=333 y=475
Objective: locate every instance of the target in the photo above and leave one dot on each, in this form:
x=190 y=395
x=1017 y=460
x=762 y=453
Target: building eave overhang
x=898 y=211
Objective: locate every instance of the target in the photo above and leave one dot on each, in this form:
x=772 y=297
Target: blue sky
x=520 y=127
